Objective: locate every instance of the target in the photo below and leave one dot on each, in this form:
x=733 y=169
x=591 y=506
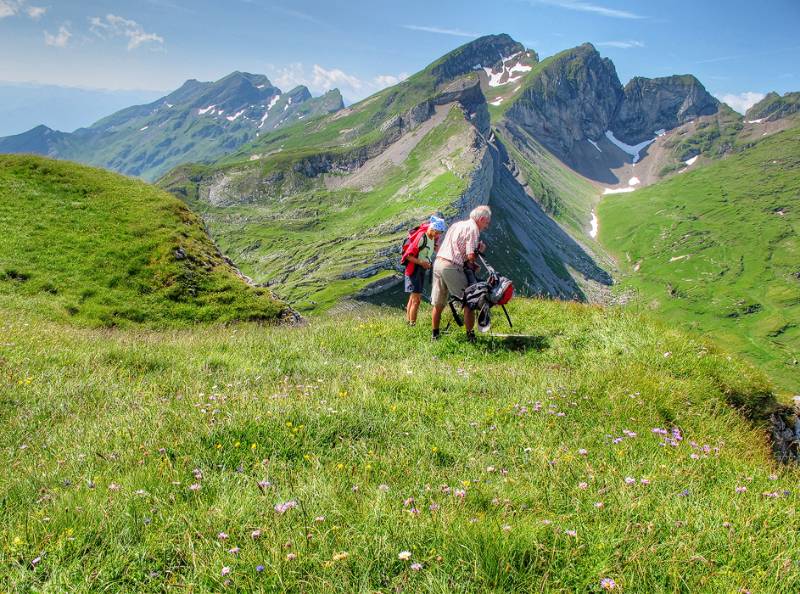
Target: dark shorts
x=416 y=281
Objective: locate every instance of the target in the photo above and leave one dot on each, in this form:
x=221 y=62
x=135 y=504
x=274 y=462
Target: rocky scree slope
x=200 y=121
x=319 y=209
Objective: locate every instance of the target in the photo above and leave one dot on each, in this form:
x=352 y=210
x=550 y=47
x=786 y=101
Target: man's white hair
x=481 y=212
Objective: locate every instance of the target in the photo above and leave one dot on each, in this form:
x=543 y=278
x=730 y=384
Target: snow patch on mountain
x=506 y=70
x=236 y=115
x=594 y=144
x=497 y=101
x=634 y=181
x=691 y=161
x=618 y=190
x=595 y=226
x=632 y=150
x=272 y=102
x=205 y=110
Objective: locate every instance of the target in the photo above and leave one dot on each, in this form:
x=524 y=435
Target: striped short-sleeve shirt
x=460 y=241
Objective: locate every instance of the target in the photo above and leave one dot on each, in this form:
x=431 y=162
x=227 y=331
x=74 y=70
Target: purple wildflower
x=608 y=584
x=282 y=508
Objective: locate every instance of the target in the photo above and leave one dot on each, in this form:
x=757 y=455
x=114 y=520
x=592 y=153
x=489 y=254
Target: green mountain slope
x=100 y=249
x=717 y=250
x=319 y=209
x=309 y=459
x=200 y=121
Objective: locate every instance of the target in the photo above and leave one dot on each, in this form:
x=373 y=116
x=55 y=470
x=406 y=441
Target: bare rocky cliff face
x=651 y=104
x=574 y=97
x=577 y=96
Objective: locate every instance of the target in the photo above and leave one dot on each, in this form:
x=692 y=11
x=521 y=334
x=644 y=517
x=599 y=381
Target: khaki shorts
x=448 y=279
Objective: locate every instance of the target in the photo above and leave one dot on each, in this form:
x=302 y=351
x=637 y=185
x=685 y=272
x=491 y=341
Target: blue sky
x=734 y=47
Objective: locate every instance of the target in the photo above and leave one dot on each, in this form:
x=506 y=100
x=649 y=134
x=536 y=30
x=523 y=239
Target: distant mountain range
x=26 y=105
x=200 y=121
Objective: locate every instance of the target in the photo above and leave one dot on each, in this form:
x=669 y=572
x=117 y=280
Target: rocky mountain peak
x=487 y=51
x=574 y=96
x=651 y=104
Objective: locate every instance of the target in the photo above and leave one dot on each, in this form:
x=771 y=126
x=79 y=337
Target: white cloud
x=9 y=8
x=36 y=12
x=741 y=102
x=60 y=39
x=388 y=80
x=588 y=7
x=117 y=26
x=441 y=30
x=621 y=44
x=320 y=79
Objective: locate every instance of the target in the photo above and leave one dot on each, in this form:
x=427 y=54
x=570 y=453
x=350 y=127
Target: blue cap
x=437 y=224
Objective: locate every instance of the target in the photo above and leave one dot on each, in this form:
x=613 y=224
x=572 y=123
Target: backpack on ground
x=481 y=296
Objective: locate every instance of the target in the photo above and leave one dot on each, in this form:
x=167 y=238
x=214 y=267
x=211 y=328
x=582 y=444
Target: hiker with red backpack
x=417 y=255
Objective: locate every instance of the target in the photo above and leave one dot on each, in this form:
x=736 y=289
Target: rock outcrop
x=774 y=107
x=651 y=104
x=574 y=97
x=484 y=51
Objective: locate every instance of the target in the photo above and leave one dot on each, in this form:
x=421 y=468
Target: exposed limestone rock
x=573 y=98
x=651 y=104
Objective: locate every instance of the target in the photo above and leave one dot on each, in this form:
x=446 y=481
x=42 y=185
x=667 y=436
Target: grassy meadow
x=353 y=454
x=717 y=250
x=96 y=248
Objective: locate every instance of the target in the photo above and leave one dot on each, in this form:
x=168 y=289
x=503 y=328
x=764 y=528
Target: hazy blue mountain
x=24 y=105
x=200 y=121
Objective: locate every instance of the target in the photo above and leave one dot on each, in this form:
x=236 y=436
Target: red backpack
x=411 y=246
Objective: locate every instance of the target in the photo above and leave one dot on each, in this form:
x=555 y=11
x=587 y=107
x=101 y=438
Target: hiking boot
x=435 y=334
x=471 y=336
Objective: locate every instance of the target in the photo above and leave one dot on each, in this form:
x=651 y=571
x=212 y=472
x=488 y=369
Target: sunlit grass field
x=717 y=251
x=354 y=454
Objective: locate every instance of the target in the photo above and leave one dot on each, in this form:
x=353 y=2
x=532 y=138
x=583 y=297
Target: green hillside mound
x=717 y=249
x=101 y=249
x=356 y=455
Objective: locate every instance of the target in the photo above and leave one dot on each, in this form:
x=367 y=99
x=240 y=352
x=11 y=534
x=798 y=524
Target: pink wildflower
x=282 y=508
x=416 y=566
x=226 y=570
x=608 y=584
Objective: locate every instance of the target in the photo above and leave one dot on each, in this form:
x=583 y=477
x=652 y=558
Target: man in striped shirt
x=460 y=248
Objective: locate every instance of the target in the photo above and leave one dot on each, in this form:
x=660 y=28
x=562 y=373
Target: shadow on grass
x=516 y=342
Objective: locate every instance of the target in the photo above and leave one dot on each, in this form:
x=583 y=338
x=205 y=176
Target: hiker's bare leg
x=436 y=316
x=413 y=306
x=469 y=319
x=408 y=307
